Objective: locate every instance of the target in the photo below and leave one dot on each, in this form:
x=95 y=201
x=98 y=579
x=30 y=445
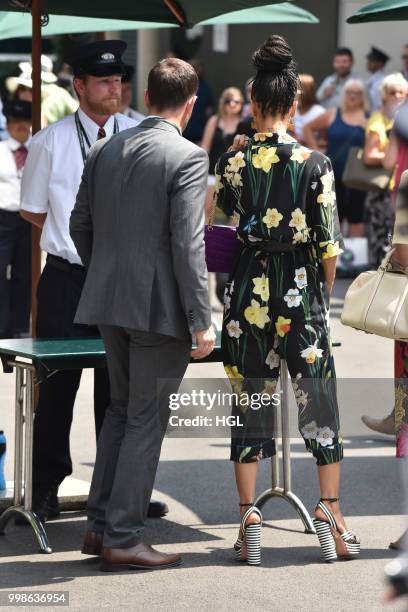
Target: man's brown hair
x=171 y=83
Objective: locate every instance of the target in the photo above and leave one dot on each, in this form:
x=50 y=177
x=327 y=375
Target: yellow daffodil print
x=311 y=353
x=257 y=314
x=236 y=180
x=235 y=219
x=272 y=218
x=236 y=163
x=264 y=159
x=270 y=387
x=282 y=326
x=298 y=220
x=300 y=154
x=218 y=183
x=262 y=136
x=235 y=377
x=332 y=249
x=261 y=287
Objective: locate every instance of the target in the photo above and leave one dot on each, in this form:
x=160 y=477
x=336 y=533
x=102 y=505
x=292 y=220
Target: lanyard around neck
x=83 y=136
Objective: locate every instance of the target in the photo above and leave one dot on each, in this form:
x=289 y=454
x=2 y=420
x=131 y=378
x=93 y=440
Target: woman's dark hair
x=276 y=82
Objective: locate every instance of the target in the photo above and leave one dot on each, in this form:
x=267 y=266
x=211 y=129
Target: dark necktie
x=101 y=133
x=20 y=156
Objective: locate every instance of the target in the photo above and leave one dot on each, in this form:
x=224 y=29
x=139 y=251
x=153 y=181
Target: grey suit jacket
x=138 y=226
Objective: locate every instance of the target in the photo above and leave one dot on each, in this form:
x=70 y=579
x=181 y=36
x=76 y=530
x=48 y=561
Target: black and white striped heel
x=326 y=541
x=251 y=534
x=334 y=544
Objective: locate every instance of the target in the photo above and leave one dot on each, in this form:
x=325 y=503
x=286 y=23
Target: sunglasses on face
x=395 y=92
x=232 y=101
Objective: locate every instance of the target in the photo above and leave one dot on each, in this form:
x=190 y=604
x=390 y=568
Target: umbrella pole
x=36 y=10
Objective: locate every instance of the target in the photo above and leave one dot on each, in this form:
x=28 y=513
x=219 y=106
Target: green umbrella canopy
x=278 y=13
x=382 y=10
x=179 y=12
x=18 y=25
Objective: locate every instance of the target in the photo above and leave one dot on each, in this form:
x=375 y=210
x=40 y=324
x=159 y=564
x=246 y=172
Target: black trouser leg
x=15 y=274
x=58 y=296
x=21 y=279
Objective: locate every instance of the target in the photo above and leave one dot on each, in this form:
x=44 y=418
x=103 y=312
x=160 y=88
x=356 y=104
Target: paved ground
x=196 y=480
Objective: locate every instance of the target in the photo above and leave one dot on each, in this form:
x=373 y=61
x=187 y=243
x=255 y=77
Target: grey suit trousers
x=144 y=369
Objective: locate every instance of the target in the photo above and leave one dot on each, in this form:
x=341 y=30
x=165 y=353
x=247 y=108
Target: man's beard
x=109 y=106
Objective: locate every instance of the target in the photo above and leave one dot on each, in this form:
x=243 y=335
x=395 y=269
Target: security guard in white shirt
x=15 y=233
x=50 y=183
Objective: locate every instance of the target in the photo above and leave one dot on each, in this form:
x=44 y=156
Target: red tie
x=20 y=156
x=101 y=133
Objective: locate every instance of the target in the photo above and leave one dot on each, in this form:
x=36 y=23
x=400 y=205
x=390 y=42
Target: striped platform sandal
x=251 y=535
x=335 y=545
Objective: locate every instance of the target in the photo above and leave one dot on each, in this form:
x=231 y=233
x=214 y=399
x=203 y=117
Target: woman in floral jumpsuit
x=282 y=199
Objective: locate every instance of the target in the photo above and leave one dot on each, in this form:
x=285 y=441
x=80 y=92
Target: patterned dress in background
x=276 y=304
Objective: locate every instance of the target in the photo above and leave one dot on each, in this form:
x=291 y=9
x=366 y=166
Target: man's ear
x=190 y=104
x=79 y=85
x=146 y=98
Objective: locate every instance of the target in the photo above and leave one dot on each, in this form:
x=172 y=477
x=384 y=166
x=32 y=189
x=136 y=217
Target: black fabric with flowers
x=276 y=304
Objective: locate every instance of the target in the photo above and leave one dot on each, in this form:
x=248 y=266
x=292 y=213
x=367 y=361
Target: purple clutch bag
x=222 y=248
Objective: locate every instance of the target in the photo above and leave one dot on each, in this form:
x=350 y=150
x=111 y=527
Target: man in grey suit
x=138 y=225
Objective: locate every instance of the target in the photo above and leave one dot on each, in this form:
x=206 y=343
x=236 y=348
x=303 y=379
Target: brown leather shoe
x=92 y=544
x=141 y=556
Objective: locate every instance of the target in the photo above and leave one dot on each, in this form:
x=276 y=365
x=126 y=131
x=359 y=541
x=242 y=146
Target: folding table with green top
x=36 y=360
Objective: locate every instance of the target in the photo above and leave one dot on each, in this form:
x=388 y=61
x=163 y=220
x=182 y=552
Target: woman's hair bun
x=274 y=55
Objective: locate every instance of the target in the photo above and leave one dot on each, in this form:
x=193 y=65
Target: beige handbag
x=377 y=302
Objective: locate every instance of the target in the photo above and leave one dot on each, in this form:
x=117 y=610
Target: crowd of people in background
x=341 y=113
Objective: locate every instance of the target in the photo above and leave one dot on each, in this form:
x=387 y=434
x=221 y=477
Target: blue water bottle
x=2 y=460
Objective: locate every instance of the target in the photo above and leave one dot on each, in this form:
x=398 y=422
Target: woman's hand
x=239 y=143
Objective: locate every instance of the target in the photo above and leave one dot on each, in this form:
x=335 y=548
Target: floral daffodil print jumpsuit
x=282 y=199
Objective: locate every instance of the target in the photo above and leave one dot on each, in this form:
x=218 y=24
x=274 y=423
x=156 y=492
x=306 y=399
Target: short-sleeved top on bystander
x=10 y=175
x=52 y=175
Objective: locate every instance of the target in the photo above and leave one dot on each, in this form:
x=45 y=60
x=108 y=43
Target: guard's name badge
x=107 y=56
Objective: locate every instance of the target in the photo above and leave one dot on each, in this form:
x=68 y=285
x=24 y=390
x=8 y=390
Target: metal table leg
x=286 y=491
x=24 y=382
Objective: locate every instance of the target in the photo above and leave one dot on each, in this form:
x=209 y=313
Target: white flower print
x=293 y=298
x=299 y=237
x=309 y=431
x=311 y=353
x=234 y=330
x=301 y=278
x=231 y=291
x=227 y=301
x=302 y=398
x=272 y=359
x=325 y=436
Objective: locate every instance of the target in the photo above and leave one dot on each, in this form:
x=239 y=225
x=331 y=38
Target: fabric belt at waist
x=63 y=264
x=270 y=246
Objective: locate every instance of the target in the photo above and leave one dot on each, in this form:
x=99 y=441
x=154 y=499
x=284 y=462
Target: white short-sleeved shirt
x=52 y=175
x=301 y=120
x=10 y=177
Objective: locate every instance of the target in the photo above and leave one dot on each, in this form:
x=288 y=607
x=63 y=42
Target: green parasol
x=382 y=10
x=277 y=13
